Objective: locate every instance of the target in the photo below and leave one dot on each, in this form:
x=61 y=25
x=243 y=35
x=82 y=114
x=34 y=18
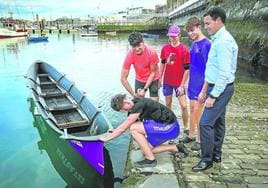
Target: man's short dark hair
x=216 y=12
x=117 y=101
x=135 y=38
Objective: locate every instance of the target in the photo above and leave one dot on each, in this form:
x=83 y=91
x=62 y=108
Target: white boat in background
x=89 y=30
x=11 y=29
x=112 y=33
x=6 y=33
x=89 y=34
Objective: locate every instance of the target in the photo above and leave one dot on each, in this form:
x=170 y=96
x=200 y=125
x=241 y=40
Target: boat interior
x=63 y=109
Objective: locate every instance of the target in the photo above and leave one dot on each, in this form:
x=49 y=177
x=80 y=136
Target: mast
x=88 y=23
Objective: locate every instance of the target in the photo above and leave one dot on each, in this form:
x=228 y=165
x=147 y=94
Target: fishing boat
x=10 y=29
x=68 y=112
x=6 y=33
x=37 y=39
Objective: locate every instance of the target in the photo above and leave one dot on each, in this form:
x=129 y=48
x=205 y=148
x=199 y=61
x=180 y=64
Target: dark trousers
x=212 y=125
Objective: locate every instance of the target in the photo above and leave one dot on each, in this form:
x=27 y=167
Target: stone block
x=228 y=179
x=256 y=180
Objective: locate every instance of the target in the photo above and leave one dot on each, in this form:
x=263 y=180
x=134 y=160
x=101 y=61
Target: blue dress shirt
x=222 y=61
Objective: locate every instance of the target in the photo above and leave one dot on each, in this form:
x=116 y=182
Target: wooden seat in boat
x=61 y=108
x=48 y=83
x=73 y=124
x=53 y=94
x=69 y=118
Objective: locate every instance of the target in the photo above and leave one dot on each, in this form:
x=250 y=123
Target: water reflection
x=73 y=169
x=12 y=44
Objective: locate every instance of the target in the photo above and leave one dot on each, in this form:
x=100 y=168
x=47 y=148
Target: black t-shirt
x=150 y=109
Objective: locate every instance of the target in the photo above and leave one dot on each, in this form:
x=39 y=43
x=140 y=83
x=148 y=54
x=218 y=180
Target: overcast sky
x=52 y=9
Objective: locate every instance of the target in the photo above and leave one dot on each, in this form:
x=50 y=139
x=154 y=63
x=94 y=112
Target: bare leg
x=199 y=111
x=155 y=98
x=168 y=101
x=165 y=147
x=195 y=114
x=183 y=104
x=192 y=120
x=138 y=133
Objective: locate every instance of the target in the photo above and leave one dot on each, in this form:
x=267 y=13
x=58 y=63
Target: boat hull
x=90 y=151
x=71 y=166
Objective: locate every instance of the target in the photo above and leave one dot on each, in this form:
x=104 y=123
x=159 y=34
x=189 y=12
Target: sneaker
x=187 y=140
x=186 y=131
x=182 y=149
x=195 y=146
x=146 y=163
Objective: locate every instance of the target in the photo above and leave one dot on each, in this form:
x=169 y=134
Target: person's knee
x=192 y=109
x=184 y=106
x=136 y=129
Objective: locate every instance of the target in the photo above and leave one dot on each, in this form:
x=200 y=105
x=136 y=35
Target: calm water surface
x=94 y=64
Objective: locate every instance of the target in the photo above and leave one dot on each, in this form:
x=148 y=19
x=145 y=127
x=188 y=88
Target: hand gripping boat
x=68 y=112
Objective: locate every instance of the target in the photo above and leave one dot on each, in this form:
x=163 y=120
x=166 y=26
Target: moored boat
x=6 y=33
x=68 y=112
x=37 y=38
x=10 y=29
x=89 y=34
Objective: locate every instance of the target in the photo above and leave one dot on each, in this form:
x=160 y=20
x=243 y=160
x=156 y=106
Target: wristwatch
x=213 y=97
x=145 y=89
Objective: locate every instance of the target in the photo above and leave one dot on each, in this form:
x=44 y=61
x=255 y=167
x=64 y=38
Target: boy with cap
x=157 y=125
x=174 y=70
x=145 y=60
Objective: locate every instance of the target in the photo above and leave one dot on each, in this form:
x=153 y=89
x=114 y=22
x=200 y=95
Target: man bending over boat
x=151 y=124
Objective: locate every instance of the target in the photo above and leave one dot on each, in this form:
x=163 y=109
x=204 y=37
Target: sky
x=53 y=9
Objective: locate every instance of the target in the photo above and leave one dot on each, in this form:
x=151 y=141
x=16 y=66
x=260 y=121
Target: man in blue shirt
x=218 y=87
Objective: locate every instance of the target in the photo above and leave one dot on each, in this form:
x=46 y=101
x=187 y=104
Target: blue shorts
x=192 y=95
x=168 y=90
x=158 y=133
x=193 y=91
